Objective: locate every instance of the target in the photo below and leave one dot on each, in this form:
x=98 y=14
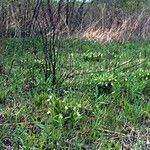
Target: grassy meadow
x=100 y=102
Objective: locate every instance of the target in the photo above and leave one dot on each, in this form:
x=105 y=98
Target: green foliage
x=102 y=104
x=135 y=4
x=38 y=100
x=2 y=97
x=92 y=56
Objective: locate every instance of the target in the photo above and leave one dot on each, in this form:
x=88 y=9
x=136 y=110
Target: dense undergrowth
x=103 y=104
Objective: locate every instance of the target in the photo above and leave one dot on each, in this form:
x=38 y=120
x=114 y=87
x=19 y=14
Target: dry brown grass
x=131 y=28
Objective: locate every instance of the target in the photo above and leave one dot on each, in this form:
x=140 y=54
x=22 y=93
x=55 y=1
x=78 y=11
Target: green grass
x=104 y=104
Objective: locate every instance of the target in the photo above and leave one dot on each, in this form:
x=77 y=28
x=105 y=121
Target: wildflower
x=113 y=92
x=74 y=108
x=66 y=108
x=60 y=116
x=49 y=98
x=48 y=112
x=78 y=114
x=109 y=79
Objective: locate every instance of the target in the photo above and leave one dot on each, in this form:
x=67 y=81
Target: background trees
x=19 y=18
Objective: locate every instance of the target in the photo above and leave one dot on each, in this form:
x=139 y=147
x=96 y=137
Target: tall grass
x=103 y=104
